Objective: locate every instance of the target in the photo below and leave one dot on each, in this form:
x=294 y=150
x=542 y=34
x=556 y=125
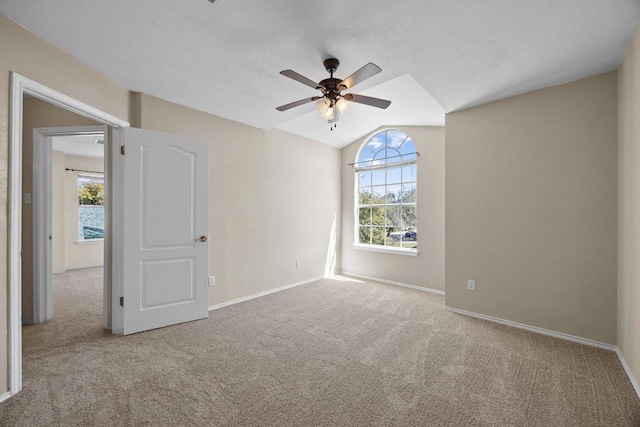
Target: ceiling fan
x=332 y=103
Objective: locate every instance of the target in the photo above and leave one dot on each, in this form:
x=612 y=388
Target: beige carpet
x=331 y=353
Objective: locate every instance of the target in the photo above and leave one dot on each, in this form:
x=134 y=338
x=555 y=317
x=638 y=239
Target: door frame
x=21 y=86
x=42 y=213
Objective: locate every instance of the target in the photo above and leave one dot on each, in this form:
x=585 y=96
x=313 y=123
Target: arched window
x=386 y=185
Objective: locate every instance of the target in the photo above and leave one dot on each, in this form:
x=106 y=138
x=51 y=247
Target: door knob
x=201 y=239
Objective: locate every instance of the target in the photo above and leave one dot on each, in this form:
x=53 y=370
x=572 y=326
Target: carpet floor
x=336 y=352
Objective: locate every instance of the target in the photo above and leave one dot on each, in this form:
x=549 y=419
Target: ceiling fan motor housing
x=331 y=65
x=331 y=87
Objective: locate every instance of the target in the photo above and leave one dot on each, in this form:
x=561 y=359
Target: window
x=90 y=207
x=385 y=208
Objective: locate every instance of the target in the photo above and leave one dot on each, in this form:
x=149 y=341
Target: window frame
x=97 y=177
x=385 y=166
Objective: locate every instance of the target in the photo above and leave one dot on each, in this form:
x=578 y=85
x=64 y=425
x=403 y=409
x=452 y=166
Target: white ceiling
x=436 y=55
x=79 y=145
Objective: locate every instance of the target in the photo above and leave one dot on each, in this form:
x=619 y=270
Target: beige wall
x=36 y=114
x=274 y=198
x=531 y=208
x=629 y=205
x=89 y=253
x=426 y=269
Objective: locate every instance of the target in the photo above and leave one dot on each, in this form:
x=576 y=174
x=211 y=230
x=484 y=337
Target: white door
x=165 y=216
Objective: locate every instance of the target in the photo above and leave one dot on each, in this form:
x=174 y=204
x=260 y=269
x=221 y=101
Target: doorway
x=21 y=87
x=70 y=209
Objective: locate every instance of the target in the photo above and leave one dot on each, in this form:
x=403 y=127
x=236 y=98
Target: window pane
x=394 y=175
x=408 y=193
x=365 y=196
x=365 y=216
x=409 y=218
x=393 y=155
x=394 y=237
x=90 y=222
x=364 y=179
x=395 y=138
x=366 y=155
x=378 y=235
x=378 y=216
x=409 y=173
x=376 y=142
x=378 y=195
x=365 y=235
x=408 y=149
x=409 y=239
x=394 y=217
x=90 y=207
x=394 y=193
x=380 y=157
x=378 y=177
x=90 y=190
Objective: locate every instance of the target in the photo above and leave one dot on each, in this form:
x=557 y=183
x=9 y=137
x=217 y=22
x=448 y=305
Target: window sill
x=388 y=250
x=89 y=241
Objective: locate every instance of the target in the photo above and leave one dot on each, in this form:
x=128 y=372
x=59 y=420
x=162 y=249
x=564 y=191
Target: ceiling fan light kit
x=333 y=103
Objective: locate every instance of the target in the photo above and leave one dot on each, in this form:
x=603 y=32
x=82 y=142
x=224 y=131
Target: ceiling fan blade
x=361 y=75
x=297 y=103
x=300 y=78
x=367 y=100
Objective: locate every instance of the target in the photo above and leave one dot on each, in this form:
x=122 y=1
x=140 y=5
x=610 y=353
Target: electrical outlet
x=626 y=323
x=471 y=285
x=297 y=263
x=212 y=280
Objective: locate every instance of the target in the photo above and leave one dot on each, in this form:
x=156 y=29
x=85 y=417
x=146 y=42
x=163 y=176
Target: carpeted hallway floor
x=330 y=353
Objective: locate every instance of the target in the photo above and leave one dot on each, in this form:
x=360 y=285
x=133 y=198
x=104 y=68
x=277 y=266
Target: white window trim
x=89 y=241
x=386 y=249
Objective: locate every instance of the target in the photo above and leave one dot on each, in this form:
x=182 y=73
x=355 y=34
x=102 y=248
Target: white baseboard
x=5 y=396
x=261 y=294
x=392 y=282
x=535 y=329
x=627 y=370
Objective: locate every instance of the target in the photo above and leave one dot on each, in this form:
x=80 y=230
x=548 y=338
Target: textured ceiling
x=436 y=55
x=79 y=145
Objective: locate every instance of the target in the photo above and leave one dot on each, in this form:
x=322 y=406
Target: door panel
x=170 y=197
x=177 y=271
x=166 y=200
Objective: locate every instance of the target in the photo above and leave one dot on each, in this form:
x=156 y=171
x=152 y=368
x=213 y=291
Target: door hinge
x=121 y=301
x=122 y=150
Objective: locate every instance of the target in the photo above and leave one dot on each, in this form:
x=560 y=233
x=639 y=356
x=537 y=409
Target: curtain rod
x=392 y=157
x=82 y=170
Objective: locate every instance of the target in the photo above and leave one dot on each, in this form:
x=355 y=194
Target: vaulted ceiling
x=437 y=56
